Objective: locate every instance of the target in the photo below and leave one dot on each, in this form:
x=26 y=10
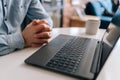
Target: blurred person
x=115 y=4
x=110 y=7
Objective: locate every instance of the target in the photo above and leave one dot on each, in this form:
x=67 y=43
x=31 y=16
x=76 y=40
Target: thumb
x=35 y=22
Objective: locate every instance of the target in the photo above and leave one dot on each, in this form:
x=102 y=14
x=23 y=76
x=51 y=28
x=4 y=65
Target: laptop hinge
x=97 y=57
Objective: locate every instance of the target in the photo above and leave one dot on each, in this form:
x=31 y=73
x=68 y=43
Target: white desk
x=111 y=69
x=12 y=66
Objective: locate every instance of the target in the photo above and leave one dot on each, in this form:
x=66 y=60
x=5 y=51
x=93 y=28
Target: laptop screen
x=111 y=36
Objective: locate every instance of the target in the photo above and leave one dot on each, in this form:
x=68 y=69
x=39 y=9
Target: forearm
x=9 y=43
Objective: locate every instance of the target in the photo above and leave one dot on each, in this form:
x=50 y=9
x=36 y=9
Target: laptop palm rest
x=44 y=54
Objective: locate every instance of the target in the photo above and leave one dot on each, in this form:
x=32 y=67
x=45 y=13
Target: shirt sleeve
x=9 y=43
x=36 y=11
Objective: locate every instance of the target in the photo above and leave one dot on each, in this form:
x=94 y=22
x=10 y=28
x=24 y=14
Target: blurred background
x=75 y=13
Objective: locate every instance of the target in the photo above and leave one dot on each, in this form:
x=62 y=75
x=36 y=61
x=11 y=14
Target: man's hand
x=36 y=33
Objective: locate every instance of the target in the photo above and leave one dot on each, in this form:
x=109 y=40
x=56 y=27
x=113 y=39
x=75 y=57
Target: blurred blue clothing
x=116 y=18
x=107 y=4
x=12 y=15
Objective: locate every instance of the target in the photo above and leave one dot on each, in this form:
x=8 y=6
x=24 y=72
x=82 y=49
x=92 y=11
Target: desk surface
x=12 y=66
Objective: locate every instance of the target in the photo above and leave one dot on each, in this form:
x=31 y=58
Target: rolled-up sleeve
x=9 y=43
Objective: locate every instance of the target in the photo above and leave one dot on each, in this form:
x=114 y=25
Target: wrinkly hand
x=36 y=33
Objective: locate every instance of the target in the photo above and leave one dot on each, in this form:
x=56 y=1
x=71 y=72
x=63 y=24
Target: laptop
x=77 y=56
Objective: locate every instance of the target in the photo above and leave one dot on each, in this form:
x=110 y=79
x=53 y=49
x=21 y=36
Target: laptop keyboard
x=69 y=57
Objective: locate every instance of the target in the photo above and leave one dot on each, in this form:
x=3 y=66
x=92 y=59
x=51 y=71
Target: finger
x=46 y=27
x=42 y=28
x=36 y=45
x=35 y=22
x=43 y=22
x=40 y=41
x=39 y=28
x=43 y=35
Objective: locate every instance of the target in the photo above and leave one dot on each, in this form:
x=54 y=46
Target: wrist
x=25 y=42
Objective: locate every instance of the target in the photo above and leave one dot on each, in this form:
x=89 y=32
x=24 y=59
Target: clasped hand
x=36 y=33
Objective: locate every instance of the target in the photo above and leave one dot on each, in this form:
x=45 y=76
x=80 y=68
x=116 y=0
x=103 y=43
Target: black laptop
x=77 y=56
